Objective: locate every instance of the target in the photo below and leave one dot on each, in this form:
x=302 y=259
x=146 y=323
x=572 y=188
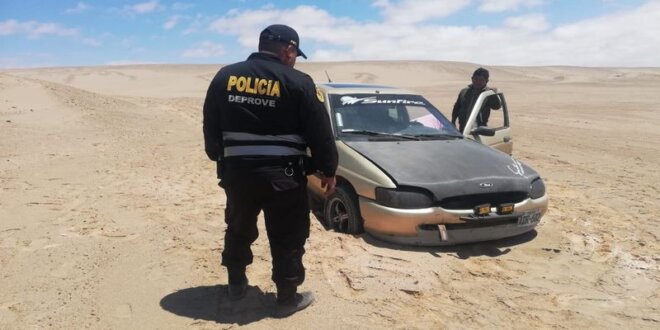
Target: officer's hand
x=494 y=89
x=329 y=183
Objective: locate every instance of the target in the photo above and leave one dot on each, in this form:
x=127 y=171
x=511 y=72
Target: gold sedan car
x=407 y=175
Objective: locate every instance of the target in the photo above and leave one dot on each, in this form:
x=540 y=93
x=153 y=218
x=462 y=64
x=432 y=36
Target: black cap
x=282 y=33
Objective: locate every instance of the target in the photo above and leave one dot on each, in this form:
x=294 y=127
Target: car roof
x=352 y=88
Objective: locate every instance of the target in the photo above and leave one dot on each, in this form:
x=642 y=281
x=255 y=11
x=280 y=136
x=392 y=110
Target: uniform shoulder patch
x=319 y=95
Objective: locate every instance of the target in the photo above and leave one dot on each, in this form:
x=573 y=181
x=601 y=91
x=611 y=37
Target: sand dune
x=110 y=216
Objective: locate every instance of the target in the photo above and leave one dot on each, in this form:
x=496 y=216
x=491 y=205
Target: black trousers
x=283 y=200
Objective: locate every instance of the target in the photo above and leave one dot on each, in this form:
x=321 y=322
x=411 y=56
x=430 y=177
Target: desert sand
x=111 y=217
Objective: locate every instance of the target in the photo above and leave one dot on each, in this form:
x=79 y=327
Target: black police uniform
x=259 y=118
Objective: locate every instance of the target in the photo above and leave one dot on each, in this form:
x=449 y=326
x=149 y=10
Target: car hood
x=448 y=167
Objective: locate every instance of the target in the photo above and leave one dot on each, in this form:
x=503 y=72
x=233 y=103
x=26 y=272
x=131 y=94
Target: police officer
x=260 y=116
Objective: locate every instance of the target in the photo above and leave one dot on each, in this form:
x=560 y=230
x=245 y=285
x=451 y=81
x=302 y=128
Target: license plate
x=529 y=218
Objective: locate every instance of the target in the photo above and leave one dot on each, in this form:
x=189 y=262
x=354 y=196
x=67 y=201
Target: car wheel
x=341 y=211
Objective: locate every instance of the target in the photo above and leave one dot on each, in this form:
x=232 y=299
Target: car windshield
x=388 y=116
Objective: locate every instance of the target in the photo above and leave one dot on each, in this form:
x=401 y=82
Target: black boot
x=238 y=283
x=289 y=301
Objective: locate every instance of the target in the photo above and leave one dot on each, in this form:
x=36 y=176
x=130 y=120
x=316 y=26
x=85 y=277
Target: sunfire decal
x=375 y=100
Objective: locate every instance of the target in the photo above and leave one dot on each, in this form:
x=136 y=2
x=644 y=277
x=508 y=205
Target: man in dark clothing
x=468 y=96
x=260 y=116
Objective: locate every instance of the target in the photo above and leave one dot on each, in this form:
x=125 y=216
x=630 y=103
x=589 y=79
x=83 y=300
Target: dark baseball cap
x=282 y=33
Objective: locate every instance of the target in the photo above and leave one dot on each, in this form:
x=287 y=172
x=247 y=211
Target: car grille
x=468 y=202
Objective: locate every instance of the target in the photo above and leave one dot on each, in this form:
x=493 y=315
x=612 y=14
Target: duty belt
x=249 y=144
x=289 y=164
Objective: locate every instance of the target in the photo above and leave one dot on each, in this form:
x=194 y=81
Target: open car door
x=496 y=133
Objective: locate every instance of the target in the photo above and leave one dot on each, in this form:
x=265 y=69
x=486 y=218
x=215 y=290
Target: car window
x=388 y=114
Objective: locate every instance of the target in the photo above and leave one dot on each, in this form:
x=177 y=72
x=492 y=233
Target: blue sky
x=37 y=33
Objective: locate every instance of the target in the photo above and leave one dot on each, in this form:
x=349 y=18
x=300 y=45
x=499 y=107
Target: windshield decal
x=375 y=100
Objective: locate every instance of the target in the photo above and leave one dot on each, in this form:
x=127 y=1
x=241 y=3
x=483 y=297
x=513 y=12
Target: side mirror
x=483 y=130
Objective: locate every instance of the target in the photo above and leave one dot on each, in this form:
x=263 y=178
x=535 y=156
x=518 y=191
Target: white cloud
x=531 y=22
x=197 y=24
x=91 y=42
x=80 y=7
x=188 y=31
x=127 y=43
x=181 y=6
x=171 y=22
x=205 y=49
x=506 y=5
x=624 y=38
x=141 y=8
x=9 y=27
x=34 y=29
x=414 y=11
x=307 y=20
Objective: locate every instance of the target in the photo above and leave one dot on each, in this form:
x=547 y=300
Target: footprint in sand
x=33 y=245
x=153 y=271
x=343 y=284
x=124 y=311
x=7 y=315
x=63 y=270
x=8 y=243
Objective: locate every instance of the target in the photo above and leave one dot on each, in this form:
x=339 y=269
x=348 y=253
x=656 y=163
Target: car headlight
x=404 y=198
x=537 y=189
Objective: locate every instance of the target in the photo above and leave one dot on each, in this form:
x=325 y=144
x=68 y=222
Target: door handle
x=507 y=138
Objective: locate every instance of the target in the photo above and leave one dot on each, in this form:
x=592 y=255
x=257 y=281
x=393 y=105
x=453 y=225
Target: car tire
x=342 y=213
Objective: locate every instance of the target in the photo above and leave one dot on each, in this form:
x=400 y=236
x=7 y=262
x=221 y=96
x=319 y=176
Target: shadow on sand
x=212 y=304
x=464 y=251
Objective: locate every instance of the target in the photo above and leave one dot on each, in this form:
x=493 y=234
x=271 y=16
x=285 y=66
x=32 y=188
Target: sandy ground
x=110 y=216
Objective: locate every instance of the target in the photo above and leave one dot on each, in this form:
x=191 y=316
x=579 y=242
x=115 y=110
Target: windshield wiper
x=438 y=136
x=374 y=133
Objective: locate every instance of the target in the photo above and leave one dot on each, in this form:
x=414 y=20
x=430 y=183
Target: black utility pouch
x=307 y=165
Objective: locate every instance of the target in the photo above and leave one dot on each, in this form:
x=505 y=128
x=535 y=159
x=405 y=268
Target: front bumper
x=436 y=226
